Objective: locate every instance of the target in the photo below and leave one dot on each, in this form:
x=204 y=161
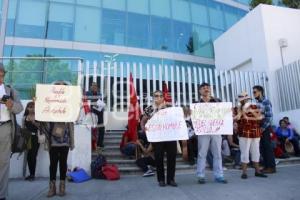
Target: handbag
x=78 y=176
x=111 y=172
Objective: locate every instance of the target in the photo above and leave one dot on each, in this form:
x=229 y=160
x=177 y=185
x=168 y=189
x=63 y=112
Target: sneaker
x=244 y=176
x=201 y=180
x=148 y=173
x=221 y=180
x=259 y=174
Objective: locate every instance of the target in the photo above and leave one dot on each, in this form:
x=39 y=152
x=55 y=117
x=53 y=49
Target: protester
x=30 y=124
x=296 y=134
x=97 y=107
x=233 y=141
x=192 y=147
x=249 y=118
x=214 y=142
x=285 y=135
x=128 y=145
x=146 y=160
x=266 y=126
x=160 y=148
x=59 y=138
x=10 y=105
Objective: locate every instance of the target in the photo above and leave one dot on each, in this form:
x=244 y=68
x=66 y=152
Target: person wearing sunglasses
x=160 y=148
x=266 y=126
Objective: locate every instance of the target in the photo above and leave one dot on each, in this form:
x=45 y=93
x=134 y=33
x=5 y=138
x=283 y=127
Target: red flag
x=166 y=93
x=134 y=112
x=86 y=106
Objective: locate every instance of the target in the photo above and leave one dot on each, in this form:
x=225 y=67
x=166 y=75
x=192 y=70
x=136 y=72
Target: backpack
x=96 y=167
x=111 y=172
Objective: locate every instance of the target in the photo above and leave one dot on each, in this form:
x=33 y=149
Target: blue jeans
x=129 y=149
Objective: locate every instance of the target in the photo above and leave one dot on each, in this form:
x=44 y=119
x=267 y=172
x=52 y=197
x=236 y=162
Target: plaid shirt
x=266 y=108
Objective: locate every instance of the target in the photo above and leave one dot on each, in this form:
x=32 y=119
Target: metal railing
x=182 y=82
x=288 y=86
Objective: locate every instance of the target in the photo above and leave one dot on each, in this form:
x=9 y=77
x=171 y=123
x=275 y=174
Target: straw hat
x=243 y=96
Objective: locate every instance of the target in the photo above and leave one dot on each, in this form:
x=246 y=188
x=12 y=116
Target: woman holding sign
x=249 y=117
x=161 y=147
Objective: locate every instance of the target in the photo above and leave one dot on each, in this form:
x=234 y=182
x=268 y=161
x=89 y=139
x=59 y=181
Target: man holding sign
x=164 y=127
x=210 y=137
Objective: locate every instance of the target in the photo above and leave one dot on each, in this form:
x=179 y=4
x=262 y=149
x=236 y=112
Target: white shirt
x=4 y=112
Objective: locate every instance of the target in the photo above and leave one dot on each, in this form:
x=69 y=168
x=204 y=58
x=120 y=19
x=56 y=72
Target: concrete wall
x=253 y=45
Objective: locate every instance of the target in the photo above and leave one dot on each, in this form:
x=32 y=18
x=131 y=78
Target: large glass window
x=31 y=24
x=216 y=16
x=114 y=4
x=160 y=8
x=138 y=30
x=95 y=3
x=183 y=40
x=11 y=17
x=199 y=12
x=161 y=34
x=202 y=41
x=60 y=22
x=64 y=1
x=87 y=30
x=140 y=6
x=113 y=27
x=231 y=16
x=180 y=10
x=215 y=34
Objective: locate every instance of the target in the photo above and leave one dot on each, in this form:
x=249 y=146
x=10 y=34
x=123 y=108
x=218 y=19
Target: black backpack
x=96 y=167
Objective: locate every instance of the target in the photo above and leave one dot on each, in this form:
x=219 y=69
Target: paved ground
x=284 y=185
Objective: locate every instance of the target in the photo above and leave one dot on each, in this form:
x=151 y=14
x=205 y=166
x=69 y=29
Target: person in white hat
x=248 y=117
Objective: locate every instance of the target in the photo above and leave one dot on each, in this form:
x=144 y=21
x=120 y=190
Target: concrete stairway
x=127 y=166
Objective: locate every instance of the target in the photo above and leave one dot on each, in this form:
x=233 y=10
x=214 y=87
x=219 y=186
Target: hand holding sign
x=167 y=125
x=212 y=118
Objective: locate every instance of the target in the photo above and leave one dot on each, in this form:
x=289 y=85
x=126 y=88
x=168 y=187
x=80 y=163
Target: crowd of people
x=254 y=138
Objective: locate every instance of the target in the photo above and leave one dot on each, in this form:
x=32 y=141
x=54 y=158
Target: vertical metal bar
x=222 y=84
x=217 y=83
x=278 y=89
x=282 y=88
x=190 y=86
x=237 y=81
x=287 y=87
x=87 y=75
x=227 y=86
x=154 y=78
x=183 y=85
x=141 y=87
x=122 y=86
x=102 y=80
x=95 y=71
x=128 y=85
x=233 y=93
x=241 y=81
x=292 y=87
x=195 y=83
x=115 y=91
x=134 y=75
x=205 y=74
x=265 y=84
x=148 y=84
x=178 y=86
x=211 y=81
x=79 y=73
x=160 y=77
x=297 y=82
x=172 y=86
x=108 y=87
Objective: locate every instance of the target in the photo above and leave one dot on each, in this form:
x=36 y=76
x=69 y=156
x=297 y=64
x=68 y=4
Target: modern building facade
x=173 y=32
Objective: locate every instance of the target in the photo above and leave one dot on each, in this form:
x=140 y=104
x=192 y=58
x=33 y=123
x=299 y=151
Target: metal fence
x=288 y=86
x=182 y=82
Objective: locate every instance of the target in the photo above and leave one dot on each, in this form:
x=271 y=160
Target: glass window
x=161 y=34
x=202 y=42
x=64 y=1
x=215 y=34
x=96 y=3
x=31 y=24
x=199 y=13
x=87 y=30
x=160 y=8
x=140 y=6
x=216 y=15
x=114 y=4
x=180 y=10
x=138 y=30
x=11 y=16
x=183 y=41
x=113 y=27
x=60 y=22
x=231 y=16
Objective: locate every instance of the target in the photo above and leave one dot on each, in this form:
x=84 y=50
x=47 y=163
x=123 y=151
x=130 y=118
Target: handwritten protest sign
x=167 y=125
x=212 y=118
x=57 y=103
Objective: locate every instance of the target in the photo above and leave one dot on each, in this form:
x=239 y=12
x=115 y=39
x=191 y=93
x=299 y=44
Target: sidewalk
x=282 y=185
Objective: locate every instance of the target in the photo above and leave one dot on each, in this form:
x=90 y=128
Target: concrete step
x=113 y=137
